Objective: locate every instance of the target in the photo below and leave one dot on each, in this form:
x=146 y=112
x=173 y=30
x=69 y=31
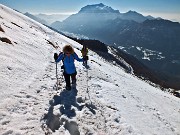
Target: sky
x=167 y=9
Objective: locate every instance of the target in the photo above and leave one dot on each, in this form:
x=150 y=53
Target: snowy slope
x=107 y=101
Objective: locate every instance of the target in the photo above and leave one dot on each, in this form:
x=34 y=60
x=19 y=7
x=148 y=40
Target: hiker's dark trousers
x=67 y=78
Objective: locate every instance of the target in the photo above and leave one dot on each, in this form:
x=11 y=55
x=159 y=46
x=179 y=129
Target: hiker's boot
x=68 y=87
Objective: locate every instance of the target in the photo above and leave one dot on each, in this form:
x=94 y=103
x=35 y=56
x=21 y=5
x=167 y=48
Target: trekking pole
x=56 y=78
x=55 y=58
x=88 y=87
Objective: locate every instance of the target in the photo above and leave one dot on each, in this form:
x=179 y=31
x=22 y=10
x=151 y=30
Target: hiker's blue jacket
x=68 y=61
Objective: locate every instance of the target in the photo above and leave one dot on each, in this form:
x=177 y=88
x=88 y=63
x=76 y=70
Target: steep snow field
x=106 y=101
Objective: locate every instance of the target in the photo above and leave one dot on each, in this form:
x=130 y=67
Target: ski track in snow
x=106 y=101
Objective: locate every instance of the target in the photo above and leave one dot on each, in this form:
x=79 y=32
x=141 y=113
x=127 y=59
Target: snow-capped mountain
x=107 y=100
x=95 y=16
x=98 y=14
x=98 y=8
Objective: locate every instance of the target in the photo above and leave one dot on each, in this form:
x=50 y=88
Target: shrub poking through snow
x=49 y=42
x=16 y=25
x=4 y=39
x=1 y=29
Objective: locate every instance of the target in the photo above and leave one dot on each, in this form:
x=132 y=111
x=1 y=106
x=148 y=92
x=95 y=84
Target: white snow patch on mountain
x=138 y=48
x=106 y=101
x=148 y=54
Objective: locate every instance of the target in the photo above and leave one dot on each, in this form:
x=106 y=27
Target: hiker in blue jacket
x=68 y=56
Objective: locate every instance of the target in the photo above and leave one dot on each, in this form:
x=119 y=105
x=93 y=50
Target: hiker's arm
x=60 y=57
x=77 y=58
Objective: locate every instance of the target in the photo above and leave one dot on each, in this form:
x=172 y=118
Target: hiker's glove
x=55 y=56
x=85 y=58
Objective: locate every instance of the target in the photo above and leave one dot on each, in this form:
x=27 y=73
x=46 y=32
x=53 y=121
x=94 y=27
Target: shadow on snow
x=69 y=104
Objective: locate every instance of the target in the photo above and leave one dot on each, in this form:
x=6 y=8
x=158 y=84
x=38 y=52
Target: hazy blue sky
x=169 y=9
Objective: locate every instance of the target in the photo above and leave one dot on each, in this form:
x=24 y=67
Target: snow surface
x=106 y=101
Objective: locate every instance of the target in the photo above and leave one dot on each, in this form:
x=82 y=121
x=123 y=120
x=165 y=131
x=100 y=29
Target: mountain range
x=38 y=19
x=153 y=41
x=47 y=19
